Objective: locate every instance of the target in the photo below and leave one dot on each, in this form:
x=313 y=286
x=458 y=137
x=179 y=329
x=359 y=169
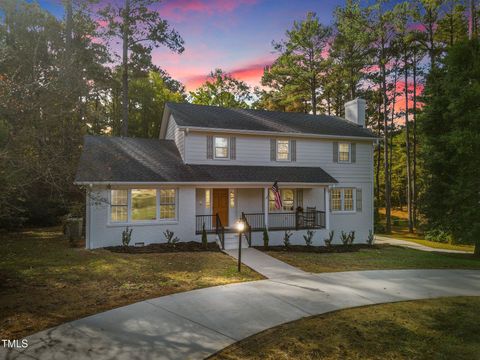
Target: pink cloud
x=179 y=10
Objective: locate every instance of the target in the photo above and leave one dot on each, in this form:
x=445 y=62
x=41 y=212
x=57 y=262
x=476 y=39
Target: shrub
x=126 y=236
x=344 y=237
x=169 y=237
x=439 y=235
x=351 y=237
x=370 y=237
x=286 y=238
x=309 y=237
x=266 y=238
x=328 y=242
x=204 y=237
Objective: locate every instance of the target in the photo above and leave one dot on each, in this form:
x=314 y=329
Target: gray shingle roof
x=116 y=159
x=260 y=120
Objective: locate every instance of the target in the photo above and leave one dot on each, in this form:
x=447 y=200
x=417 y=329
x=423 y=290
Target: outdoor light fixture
x=240 y=226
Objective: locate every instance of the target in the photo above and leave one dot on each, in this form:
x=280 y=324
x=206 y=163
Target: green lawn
x=433 y=244
x=45 y=282
x=446 y=328
x=382 y=257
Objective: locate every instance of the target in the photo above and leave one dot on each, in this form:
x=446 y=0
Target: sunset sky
x=234 y=35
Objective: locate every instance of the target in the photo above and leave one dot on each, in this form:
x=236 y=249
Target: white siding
x=102 y=234
x=255 y=150
x=174 y=133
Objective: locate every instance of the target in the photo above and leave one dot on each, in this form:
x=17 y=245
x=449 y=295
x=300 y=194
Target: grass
x=445 y=328
x=382 y=257
x=45 y=282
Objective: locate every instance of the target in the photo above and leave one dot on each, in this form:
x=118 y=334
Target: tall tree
x=141 y=29
x=451 y=144
x=301 y=58
x=221 y=89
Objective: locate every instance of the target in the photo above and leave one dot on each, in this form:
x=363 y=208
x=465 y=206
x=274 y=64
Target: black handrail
x=220 y=230
x=248 y=230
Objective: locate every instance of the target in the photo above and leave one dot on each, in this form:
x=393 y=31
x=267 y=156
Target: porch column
x=265 y=205
x=327 y=208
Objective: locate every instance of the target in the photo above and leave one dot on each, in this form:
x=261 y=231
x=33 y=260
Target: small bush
x=266 y=238
x=169 y=237
x=309 y=237
x=328 y=242
x=439 y=235
x=286 y=238
x=370 y=237
x=344 y=237
x=126 y=236
x=204 y=237
x=351 y=237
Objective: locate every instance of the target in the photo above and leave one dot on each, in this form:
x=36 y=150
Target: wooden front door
x=220 y=205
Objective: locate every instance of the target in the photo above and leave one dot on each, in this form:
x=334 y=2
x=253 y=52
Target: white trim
x=342 y=200
x=349 y=161
x=218 y=184
x=289 y=157
x=215 y=157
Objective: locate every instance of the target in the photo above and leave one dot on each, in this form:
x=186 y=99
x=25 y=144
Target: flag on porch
x=278 y=197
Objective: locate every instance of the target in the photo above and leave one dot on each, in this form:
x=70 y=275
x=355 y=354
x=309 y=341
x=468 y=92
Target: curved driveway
x=196 y=324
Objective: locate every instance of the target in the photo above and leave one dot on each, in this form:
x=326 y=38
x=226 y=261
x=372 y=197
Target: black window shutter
x=359 y=199
x=335 y=152
x=353 y=150
x=273 y=149
x=209 y=147
x=293 y=144
x=233 y=148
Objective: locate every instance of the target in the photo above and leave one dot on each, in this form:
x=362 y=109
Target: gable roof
x=108 y=159
x=215 y=117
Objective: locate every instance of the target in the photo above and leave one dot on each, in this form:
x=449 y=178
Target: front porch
x=217 y=209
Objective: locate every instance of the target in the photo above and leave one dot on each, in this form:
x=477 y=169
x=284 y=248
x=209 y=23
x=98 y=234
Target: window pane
x=348 y=199
x=207 y=199
x=336 y=204
x=271 y=201
x=221 y=147
x=282 y=149
x=287 y=199
x=119 y=197
x=167 y=203
x=344 y=152
x=119 y=213
x=144 y=204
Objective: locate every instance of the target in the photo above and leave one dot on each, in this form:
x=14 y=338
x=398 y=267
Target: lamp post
x=240 y=226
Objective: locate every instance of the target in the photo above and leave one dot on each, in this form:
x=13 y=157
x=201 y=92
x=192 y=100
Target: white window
x=288 y=200
x=144 y=204
x=232 y=198
x=119 y=205
x=208 y=203
x=168 y=204
x=344 y=152
x=221 y=147
x=342 y=199
x=283 y=150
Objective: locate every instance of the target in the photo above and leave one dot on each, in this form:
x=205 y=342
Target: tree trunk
x=379 y=154
x=125 y=32
x=414 y=179
x=407 y=146
x=388 y=225
x=393 y=119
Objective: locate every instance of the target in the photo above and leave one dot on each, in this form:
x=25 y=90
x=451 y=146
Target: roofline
x=200 y=184
x=275 y=133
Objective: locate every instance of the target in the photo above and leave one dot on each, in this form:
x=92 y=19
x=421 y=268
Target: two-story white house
x=212 y=166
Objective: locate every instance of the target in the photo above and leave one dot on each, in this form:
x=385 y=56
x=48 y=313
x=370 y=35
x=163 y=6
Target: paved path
x=195 y=324
x=410 y=244
x=264 y=264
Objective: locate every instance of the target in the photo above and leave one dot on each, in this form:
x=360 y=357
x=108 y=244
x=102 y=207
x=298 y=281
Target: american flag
x=278 y=197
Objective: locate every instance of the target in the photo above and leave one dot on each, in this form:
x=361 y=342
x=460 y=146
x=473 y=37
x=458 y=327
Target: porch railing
x=287 y=220
x=213 y=225
x=248 y=230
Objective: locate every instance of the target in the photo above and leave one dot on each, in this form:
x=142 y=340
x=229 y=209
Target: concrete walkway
x=264 y=264
x=412 y=245
x=196 y=324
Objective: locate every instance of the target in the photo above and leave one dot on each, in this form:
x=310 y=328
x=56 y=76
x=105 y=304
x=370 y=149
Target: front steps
x=231 y=241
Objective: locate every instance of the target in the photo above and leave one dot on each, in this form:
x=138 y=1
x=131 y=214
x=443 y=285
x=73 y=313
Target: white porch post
x=327 y=208
x=265 y=205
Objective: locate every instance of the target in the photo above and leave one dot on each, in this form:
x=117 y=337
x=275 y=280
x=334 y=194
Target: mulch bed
x=320 y=249
x=190 y=246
